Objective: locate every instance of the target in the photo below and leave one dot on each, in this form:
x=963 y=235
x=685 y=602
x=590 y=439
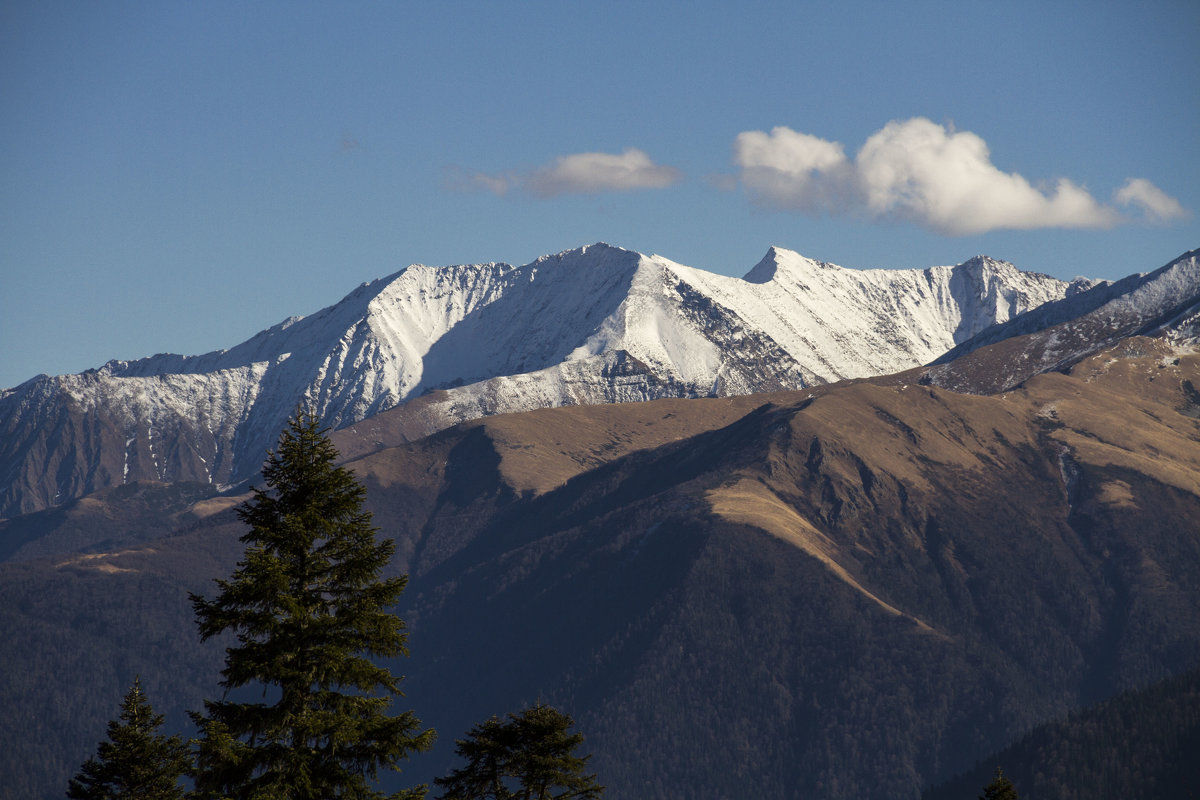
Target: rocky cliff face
x=594 y=325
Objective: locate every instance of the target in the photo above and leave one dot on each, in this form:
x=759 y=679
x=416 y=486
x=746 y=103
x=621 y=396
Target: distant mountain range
x=594 y=325
x=849 y=589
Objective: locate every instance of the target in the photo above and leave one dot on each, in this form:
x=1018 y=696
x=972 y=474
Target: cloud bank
x=578 y=173
x=922 y=172
x=1158 y=206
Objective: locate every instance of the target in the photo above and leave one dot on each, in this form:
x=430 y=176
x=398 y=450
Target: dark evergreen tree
x=310 y=610
x=136 y=763
x=1001 y=788
x=530 y=757
x=486 y=749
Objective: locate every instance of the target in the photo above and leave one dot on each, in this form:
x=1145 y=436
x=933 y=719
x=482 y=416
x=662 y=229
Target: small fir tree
x=1001 y=788
x=309 y=608
x=530 y=757
x=136 y=763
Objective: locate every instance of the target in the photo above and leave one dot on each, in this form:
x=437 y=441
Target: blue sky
x=178 y=176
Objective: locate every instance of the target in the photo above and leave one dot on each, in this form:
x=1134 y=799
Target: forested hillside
x=1141 y=745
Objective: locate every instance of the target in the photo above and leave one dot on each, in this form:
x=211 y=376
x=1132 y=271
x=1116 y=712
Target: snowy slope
x=593 y=325
x=858 y=323
x=1163 y=303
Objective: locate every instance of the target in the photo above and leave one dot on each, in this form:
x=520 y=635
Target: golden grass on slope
x=1123 y=407
x=100 y=562
x=1127 y=408
x=1125 y=412
x=215 y=505
x=418 y=464
x=1117 y=494
x=541 y=450
x=897 y=430
x=748 y=502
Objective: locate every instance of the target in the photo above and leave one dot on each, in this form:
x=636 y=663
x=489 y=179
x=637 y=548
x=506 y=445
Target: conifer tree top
x=530 y=756
x=136 y=762
x=1001 y=788
x=310 y=610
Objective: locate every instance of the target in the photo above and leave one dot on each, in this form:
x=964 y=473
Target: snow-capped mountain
x=1163 y=303
x=594 y=325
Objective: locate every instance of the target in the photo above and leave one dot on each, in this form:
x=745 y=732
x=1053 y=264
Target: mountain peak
x=982 y=260
x=980 y=264
x=764 y=270
x=780 y=258
x=596 y=250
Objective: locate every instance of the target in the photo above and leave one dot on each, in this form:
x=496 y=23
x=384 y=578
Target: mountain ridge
x=594 y=324
x=1060 y=333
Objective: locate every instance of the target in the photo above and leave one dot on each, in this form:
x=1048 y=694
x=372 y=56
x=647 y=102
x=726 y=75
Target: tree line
x=306 y=710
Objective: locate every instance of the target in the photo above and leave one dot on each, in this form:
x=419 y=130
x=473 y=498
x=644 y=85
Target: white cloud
x=793 y=170
x=917 y=170
x=1157 y=206
x=922 y=172
x=586 y=173
x=578 y=173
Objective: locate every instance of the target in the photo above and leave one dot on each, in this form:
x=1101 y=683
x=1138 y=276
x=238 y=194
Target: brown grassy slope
x=116 y=517
x=862 y=452
x=940 y=571
x=442 y=489
x=542 y=449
